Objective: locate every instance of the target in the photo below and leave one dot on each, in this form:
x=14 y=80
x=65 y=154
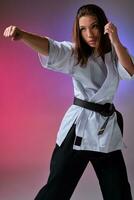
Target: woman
x=91 y=130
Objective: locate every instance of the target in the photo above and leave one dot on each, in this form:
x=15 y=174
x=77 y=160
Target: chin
x=92 y=45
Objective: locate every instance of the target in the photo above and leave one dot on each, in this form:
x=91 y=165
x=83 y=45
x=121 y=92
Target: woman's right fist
x=13 y=32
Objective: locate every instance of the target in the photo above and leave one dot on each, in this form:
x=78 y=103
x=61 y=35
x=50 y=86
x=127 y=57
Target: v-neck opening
x=107 y=74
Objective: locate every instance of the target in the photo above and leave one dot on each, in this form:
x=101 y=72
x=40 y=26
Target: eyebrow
x=82 y=26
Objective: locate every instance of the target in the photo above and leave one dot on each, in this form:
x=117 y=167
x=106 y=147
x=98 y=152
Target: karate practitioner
x=92 y=128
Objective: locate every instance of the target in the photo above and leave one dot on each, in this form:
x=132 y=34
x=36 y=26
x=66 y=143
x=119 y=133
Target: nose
x=89 y=33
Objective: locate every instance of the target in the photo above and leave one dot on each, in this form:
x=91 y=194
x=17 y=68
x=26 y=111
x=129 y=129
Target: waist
x=106 y=109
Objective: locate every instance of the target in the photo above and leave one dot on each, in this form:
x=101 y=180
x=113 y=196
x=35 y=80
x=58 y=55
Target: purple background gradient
x=34 y=100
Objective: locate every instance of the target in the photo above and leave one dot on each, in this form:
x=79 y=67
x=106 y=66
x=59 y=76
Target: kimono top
x=96 y=82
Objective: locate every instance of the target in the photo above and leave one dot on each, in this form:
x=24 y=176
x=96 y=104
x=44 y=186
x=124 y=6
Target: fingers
x=112 y=32
x=109 y=28
x=11 y=32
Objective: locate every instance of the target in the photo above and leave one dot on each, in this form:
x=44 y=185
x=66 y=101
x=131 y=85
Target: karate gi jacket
x=96 y=82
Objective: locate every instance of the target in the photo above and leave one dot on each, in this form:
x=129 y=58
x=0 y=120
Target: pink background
x=34 y=100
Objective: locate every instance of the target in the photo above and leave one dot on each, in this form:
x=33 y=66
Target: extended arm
x=36 y=42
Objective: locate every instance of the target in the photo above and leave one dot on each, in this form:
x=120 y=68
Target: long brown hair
x=83 y=50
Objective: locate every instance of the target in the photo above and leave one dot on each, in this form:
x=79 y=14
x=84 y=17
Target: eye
x=95 y=26
x=82 y=29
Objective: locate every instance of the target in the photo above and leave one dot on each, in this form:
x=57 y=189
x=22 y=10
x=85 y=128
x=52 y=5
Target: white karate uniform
x=96 y=82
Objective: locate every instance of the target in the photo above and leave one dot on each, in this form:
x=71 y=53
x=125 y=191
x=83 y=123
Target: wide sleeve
x=123 y=73
x=60 y=57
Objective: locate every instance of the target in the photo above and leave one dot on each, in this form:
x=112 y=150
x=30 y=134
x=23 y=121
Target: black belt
x=106 y=110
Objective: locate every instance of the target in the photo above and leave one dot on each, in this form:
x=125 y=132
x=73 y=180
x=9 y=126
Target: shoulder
x=64 y=45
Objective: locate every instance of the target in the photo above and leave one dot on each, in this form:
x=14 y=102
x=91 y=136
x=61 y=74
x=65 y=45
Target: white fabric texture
x=96 y=82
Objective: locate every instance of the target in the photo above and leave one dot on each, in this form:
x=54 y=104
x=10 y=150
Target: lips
x=91 y=41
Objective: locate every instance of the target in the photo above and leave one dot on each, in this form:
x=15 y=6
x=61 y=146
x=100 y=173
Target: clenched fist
x=13 y=32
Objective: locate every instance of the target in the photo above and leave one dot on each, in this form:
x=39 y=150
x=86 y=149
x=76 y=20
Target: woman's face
x=90 y=30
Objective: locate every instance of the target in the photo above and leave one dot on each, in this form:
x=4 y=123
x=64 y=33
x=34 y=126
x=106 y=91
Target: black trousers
x=67 y=166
